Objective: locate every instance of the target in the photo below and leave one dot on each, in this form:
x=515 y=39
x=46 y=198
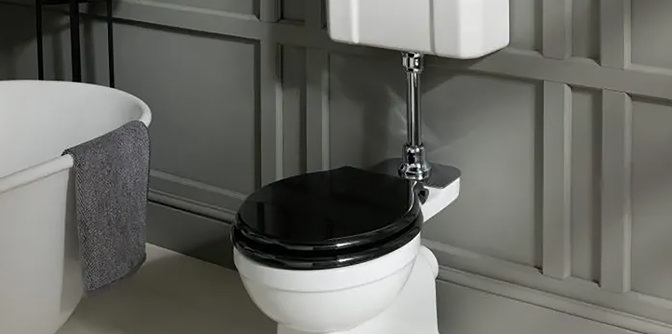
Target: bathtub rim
x=58 y=164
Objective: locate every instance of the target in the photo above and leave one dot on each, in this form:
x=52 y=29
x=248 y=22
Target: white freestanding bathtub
x=40 y=275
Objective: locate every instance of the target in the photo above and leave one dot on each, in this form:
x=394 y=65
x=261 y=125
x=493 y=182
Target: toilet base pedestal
x=414 y=310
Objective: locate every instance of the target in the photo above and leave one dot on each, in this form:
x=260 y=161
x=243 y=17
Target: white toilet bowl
x=328 y=300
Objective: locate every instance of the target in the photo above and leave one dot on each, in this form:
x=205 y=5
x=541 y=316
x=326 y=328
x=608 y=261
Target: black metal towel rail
x=74 y=37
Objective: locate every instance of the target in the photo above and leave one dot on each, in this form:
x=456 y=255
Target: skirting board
x=464 y=310
x=490 y=305
x=190 y=234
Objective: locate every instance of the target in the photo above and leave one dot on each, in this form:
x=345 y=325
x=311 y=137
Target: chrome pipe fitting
x=414 y=164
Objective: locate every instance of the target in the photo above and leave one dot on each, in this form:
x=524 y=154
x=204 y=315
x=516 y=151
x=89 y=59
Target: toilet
x=339 y=251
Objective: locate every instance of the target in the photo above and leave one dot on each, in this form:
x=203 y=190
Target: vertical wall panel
x=269 y=10
x=526 y=26
x=651 y=25
x=557 y=132
x=616 y=182
x=615 y=33
x=652 y=198
x=586 y=184
x=317 y=94
x=586 y=29
x=557 y=27
x=269 y=94
x=294 y=10
x=294 y=110
x=317 y=110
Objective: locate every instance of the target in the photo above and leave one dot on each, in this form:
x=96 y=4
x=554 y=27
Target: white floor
x=176 y=294
x=171 y=294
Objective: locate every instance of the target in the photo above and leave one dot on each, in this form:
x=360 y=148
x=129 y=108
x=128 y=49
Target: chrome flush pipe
x=414 y=165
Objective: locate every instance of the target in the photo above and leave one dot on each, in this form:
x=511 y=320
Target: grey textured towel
x=111 y=179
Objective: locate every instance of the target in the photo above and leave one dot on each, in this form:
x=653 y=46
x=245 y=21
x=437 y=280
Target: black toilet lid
x=327 y=219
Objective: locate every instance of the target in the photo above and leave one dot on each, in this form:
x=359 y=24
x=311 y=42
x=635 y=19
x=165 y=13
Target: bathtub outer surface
x=40 y=273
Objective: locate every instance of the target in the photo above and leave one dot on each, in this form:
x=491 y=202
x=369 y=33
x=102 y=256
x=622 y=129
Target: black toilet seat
x=327 y=219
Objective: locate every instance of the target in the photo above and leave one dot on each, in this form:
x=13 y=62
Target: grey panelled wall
x=562 y=138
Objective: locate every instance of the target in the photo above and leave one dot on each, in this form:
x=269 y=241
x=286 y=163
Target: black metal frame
x=74 y=37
